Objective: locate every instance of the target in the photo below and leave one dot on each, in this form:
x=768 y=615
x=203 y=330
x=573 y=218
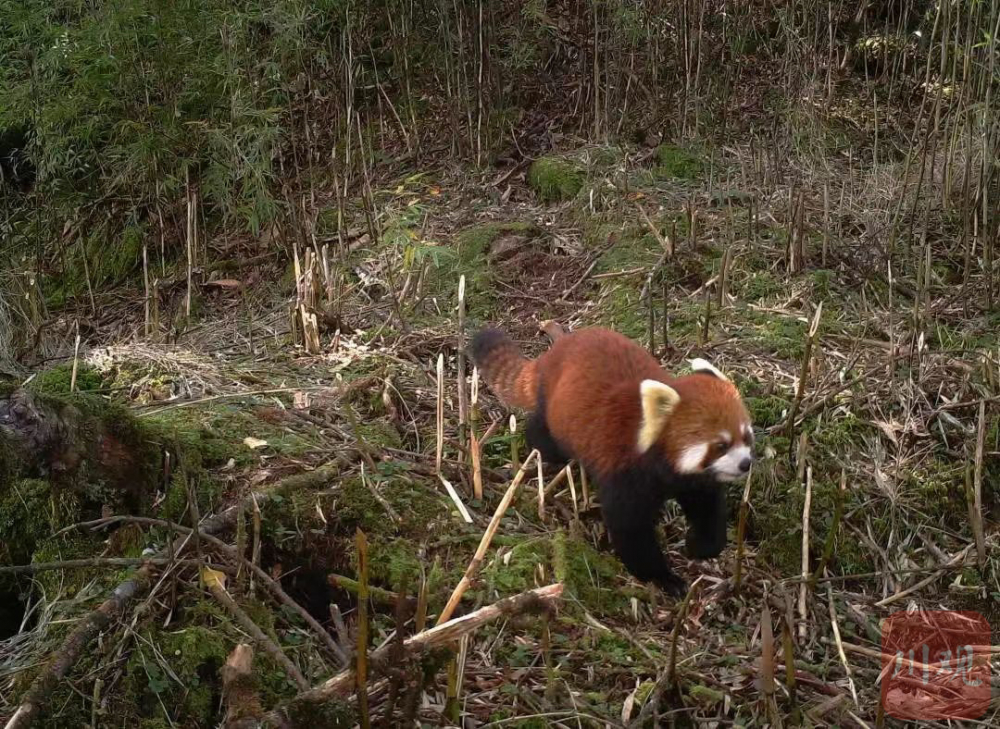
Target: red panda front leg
x=704 y=507
x=631 y=514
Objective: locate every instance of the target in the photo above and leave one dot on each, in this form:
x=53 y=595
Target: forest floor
x=864 y=384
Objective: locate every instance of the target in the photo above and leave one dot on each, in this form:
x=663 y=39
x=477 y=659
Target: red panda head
x=700 y=423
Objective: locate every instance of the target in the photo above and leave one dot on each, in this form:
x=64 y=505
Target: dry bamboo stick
x=484 y=543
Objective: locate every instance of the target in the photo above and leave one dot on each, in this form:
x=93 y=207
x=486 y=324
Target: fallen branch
x=37 y=695
x=375 y=593
x=105 y=562
x=265 y=579
x=956 y=561
x=345 y=389
x=484 y=543
x=213 y=581
x=67 y=655
x=914 y=665
x=539 y=599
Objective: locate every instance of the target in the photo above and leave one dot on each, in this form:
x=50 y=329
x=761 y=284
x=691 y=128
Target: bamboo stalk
x=741 y=530
x=804 y=585
x=440 y=444
x=788 y=648
x=484 y=543
x=190 y=244
x=831 y=536
x=361 y=673
x=475 y=445
x=514 y=455
x=541 y=490
x=803 y=373
x=840 y=644
x=76 y=359
x=977 y=487
x=767 y=660
x=145 y=285
x=463 y=406
x=572 y=493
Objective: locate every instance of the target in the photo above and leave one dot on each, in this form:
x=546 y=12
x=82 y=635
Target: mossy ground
x=757 y=336
x=679 y=162
x=554 y=179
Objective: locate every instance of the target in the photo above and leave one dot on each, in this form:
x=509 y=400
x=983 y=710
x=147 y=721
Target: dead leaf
x=254 y=443
x=890 y=430
x=260 y=477
x=301 y=400
x=213 y=578
x=629 y=703
x=223 y=283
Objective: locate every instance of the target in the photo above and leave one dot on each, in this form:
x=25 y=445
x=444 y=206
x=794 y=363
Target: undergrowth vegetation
x=239 y=241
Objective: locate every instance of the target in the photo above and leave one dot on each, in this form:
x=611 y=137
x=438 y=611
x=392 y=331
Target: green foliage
x=678 y=162
x=29 y=509
x=180 y=677
x=554 y=179
x=766 y=410
x=57 y=380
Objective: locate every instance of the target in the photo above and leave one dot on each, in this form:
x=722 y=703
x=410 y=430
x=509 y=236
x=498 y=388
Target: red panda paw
x=671 y=584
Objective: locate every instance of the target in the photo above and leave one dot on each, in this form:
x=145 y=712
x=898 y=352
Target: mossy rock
x=554 y=179
x=677 y=162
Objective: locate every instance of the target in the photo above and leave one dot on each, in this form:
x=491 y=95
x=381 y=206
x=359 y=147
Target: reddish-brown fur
x=590 y=382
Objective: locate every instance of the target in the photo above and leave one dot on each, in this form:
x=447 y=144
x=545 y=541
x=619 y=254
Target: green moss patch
x=57 y=380
x=554 y=179
x=178 y=681
x=678 y=163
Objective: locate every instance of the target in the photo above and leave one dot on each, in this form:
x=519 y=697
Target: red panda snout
x=725 y=459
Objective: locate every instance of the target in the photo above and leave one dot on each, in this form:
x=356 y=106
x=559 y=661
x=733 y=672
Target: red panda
x=644 y=437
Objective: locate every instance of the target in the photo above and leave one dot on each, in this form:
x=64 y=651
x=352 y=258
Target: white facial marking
x=726 y=436
x=727 y=468
x=691 y=458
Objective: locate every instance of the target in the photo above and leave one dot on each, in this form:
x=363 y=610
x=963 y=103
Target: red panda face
x=700 y=423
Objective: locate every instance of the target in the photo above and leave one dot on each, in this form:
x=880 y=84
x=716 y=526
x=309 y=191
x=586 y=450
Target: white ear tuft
x=702 y=365
x=658 y=401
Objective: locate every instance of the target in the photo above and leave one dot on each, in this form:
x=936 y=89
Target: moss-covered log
x=80 y=443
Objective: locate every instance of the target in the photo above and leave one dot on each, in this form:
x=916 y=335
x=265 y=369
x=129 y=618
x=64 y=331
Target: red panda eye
x=721 y=446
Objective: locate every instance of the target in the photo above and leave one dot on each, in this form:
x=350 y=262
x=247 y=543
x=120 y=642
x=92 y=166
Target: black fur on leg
x=704 y=507
x=538 y=435
x=631 y=508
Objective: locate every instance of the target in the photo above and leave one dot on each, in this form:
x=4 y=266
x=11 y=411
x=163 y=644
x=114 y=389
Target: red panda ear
x=658 y=401
x=701 y=365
